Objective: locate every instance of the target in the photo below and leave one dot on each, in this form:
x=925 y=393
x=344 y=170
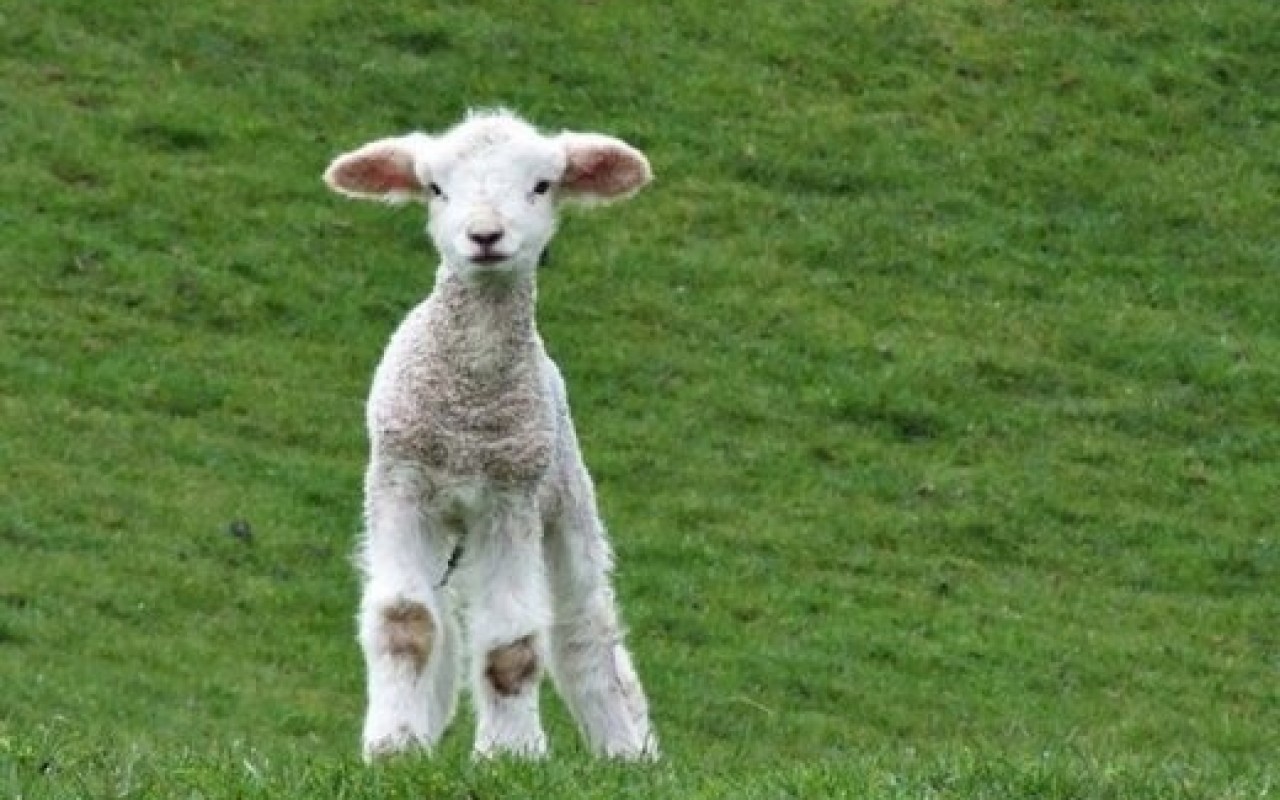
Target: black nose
x=487 y=239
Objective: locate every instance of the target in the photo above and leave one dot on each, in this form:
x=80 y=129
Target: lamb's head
x=492 y=184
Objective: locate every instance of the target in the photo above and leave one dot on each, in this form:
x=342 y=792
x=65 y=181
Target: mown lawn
x=932 y=390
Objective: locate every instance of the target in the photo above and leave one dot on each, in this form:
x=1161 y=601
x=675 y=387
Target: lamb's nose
x=487 y=238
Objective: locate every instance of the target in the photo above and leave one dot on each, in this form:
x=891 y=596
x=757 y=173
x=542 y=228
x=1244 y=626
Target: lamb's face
x=491 y=186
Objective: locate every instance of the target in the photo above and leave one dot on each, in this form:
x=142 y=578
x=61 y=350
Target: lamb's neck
x=485 y=328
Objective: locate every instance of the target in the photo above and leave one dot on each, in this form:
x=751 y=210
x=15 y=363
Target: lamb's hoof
x=646 y=752
x=533 y=750
x=400 y=741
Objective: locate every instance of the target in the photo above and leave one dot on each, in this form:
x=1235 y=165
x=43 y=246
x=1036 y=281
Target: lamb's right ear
x=382 y=170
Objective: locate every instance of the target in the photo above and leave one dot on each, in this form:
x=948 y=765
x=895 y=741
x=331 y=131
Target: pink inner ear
x=377 y=173
x=606 y=171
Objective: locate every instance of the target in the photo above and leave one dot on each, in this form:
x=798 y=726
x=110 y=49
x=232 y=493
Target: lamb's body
x=473 y=451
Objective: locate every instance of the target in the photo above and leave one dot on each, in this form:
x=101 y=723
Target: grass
x=931 y=391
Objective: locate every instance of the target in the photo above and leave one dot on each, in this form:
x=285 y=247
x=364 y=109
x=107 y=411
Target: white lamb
x=475 y=460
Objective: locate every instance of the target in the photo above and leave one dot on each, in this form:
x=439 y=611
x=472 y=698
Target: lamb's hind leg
x=589 y=662
x=406 y=630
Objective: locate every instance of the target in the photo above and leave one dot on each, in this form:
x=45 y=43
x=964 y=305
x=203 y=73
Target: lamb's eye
x=542 y=187
x=434 y=190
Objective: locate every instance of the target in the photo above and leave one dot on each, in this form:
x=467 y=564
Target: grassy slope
x=931 y=391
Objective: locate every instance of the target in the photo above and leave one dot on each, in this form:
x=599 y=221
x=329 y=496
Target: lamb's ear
x=601 y=168
x=381 y=170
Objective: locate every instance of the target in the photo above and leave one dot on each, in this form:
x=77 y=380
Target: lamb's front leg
x=508 y=610
x=406 y=628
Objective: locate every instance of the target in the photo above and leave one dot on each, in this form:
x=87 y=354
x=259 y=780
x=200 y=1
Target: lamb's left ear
x=601 y=168
x=381 y=170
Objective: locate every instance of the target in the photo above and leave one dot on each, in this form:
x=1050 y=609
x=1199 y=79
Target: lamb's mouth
x=489 y=258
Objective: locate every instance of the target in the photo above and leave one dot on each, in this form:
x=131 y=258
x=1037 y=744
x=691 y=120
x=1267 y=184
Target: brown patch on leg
x=511 y=666
x=410 y=632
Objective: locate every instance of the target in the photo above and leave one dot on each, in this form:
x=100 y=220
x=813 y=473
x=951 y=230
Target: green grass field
x=932 y=390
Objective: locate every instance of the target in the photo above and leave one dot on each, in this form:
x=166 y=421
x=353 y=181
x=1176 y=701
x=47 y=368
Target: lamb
x=474 y=459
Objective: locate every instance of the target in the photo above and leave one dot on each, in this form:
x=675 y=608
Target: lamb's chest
x=507 y=437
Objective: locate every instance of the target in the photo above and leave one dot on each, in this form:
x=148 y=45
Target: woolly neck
x=485 y=324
